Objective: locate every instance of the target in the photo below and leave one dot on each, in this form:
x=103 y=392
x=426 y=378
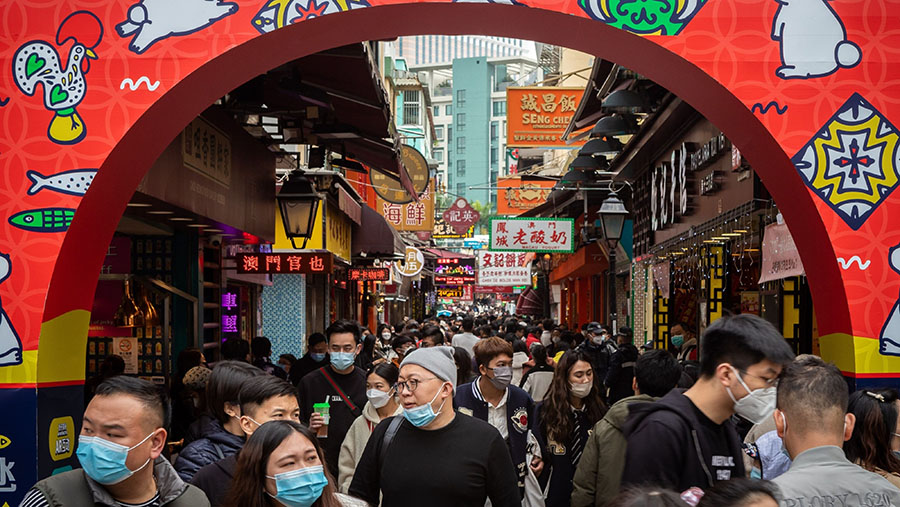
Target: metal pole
x=546 y=295
x=612 y=290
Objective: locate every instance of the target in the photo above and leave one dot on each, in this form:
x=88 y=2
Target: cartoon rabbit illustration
x=10 y=345
x=813 y=40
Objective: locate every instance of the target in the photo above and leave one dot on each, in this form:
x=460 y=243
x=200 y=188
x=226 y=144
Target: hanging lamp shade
x=585 y=163
x=607 y=146
x=625 y=101
x=615 y=125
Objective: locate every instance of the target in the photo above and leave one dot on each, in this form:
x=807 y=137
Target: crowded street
x=508 y=253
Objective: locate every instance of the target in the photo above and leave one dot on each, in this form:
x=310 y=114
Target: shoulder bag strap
x=353 y=408
x=389 y=435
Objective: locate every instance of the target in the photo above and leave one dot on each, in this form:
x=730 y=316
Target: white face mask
x=581 y=390
x=758 y=405
x=386 y=335
x=378 y=398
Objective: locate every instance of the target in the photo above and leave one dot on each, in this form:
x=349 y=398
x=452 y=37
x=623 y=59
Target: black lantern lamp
x=299 y=203
x=545 y=263
x=607 y=146
x=625 y=101
x=585 y=163
x=612 y=217
x=615 y=125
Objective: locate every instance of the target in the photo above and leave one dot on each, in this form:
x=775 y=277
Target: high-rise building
x=468 y=100
x=432 y=49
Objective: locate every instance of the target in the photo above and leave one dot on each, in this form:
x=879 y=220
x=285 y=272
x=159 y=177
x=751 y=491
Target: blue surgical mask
x=422 y=415
x=342 y=360
x=104 y=461
x=317 y=357
x=678 y=340
x=301 y=487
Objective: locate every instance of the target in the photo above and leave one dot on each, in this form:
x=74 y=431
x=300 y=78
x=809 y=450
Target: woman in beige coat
x=382 y=404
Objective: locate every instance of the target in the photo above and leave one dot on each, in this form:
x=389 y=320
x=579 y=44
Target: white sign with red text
x=503 y=269
x=533 y=234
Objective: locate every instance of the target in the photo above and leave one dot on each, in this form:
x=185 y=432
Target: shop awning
x=376 y=238
x=587 y=261
x=530 y=303
x=446 y=254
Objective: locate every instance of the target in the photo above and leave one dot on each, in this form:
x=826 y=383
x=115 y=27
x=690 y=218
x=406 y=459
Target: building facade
x=433 y=49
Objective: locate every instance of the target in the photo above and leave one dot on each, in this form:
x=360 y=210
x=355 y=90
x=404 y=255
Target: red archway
x=75 y=275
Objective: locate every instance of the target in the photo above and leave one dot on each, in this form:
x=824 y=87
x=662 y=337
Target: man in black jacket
x=686 y=439
x=316 y=357
x=620 y=376
x=600 y=348
x=262 y=399
x=341 y=384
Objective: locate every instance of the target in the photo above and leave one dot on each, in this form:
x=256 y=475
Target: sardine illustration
x=75 y=182
x=43 y=220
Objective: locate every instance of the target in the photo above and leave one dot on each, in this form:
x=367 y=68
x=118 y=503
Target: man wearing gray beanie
x=431 y=455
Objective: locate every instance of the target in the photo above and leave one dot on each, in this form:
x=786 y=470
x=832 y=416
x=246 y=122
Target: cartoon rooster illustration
x=38 y=62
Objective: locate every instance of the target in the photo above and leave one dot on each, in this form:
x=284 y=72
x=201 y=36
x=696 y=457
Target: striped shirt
x=35 y=498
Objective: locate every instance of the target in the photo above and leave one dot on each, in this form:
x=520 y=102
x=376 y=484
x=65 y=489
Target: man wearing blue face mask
x=120 y=449
x=686 y=439
x=431 y=455
x=341 y=385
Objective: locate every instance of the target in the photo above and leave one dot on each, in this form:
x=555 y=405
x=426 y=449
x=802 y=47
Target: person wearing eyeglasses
x=506 y=407
x=431 y=455
x=686 y=439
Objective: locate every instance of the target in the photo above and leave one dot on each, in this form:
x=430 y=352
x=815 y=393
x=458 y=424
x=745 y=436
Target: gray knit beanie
x=437 y=360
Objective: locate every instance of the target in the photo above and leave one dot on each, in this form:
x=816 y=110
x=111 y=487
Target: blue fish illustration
x=75 y=182
x=43 y=220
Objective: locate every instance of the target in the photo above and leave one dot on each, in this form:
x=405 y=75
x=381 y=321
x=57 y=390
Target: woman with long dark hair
x=570 y=409
x=282 y=464
x=875 y=443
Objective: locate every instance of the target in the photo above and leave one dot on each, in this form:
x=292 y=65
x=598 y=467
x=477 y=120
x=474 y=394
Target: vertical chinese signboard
x=412 y=216
x=231 y=313
x=533 y=235
x=537 y=116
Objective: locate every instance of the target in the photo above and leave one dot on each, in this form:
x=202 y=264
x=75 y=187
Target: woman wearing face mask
x=570 y=409
x=283 y=465
x=875 y=443
x=381 y=403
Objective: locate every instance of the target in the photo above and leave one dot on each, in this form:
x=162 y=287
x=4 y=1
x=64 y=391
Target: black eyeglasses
x=411 y=384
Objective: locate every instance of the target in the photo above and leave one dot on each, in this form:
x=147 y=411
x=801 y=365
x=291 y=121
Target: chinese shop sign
x=503 y=269
x=532 y=234
x=231 y=313
x=454 y=271
x=286 y=263
x=538 y=115
x=412 y=216
x=463 y=293
x=207 y=150
x=413 y=262
x=461 y=215
x=369 y=274
x=442 y=230
x=339 y=232
x=481 y=289
x=390 y=189
x=516 y=195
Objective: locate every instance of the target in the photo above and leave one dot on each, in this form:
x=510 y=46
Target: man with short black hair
x=547 y=327
x=600 y=348
x=813 y=423
x=432 y=336
x=686 y=439
x=341 y=384
x=599 y=472
x=262 y=399
x=683 y=339
x=120 y=449
x=466 y=339
x=316 y=357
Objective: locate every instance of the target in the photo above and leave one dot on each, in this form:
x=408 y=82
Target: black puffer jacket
x=216 y=444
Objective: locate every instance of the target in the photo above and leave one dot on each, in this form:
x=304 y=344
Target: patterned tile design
x=283 y=319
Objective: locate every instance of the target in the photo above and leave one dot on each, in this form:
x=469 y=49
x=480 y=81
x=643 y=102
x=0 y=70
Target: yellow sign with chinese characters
x=537 y=116
x=338 y=232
